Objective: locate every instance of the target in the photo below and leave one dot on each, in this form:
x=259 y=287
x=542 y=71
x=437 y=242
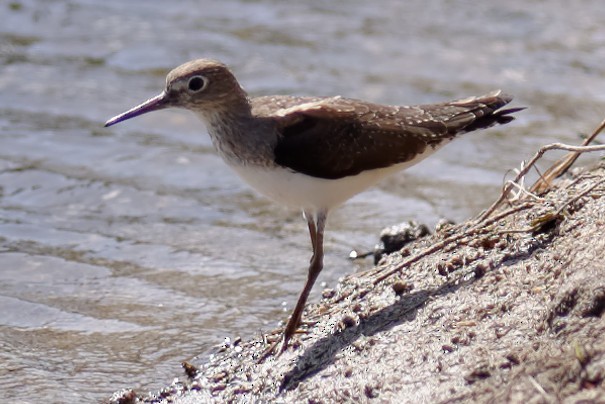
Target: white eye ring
x=197 y=84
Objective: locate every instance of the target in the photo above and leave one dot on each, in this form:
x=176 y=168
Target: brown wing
x=334 y=149
x=336 y=137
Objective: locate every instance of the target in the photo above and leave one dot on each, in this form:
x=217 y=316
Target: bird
x=315 y=153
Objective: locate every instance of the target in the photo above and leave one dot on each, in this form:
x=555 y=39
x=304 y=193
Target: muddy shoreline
x=510 y=311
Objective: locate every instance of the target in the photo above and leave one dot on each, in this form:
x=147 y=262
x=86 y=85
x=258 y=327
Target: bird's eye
x=197 y=83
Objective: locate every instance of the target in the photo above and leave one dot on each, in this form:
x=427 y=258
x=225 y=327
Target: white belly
x=310 y=193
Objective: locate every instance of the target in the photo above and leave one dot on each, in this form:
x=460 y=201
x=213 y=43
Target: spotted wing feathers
x=337 y=137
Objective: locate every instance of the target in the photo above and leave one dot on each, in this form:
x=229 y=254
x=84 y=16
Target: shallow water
x=124 y=251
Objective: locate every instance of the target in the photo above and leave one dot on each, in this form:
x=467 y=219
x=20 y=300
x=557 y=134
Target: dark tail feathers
x=500 y=117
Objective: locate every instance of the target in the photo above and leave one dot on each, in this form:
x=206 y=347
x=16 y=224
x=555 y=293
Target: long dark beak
x=154 y=104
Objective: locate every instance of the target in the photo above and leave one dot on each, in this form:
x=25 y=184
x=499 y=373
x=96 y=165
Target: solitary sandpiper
x=314 y=153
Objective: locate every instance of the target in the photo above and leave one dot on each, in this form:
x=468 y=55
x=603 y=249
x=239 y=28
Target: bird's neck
x=240 y=138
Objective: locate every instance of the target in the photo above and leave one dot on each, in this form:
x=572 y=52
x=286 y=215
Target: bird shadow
x=323 y=352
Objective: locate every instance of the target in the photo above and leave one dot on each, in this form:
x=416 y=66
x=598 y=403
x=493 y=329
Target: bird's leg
x=316 y=225
x=316 y=231
x=310 y=217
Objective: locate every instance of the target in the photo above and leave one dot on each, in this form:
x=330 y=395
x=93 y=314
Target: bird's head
x=202 y=86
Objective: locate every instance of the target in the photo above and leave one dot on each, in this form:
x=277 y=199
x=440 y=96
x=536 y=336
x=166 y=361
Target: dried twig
x=474 y=230
x=540 y=389
x=528 y=166
x=578 y=196
x=522 y=192
x=562 y=165
x=549 y=216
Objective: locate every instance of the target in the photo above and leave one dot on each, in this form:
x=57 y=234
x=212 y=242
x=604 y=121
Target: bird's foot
x=280 y=344
x=273 y=347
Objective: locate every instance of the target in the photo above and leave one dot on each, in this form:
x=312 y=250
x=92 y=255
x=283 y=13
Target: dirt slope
x=508 y=312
